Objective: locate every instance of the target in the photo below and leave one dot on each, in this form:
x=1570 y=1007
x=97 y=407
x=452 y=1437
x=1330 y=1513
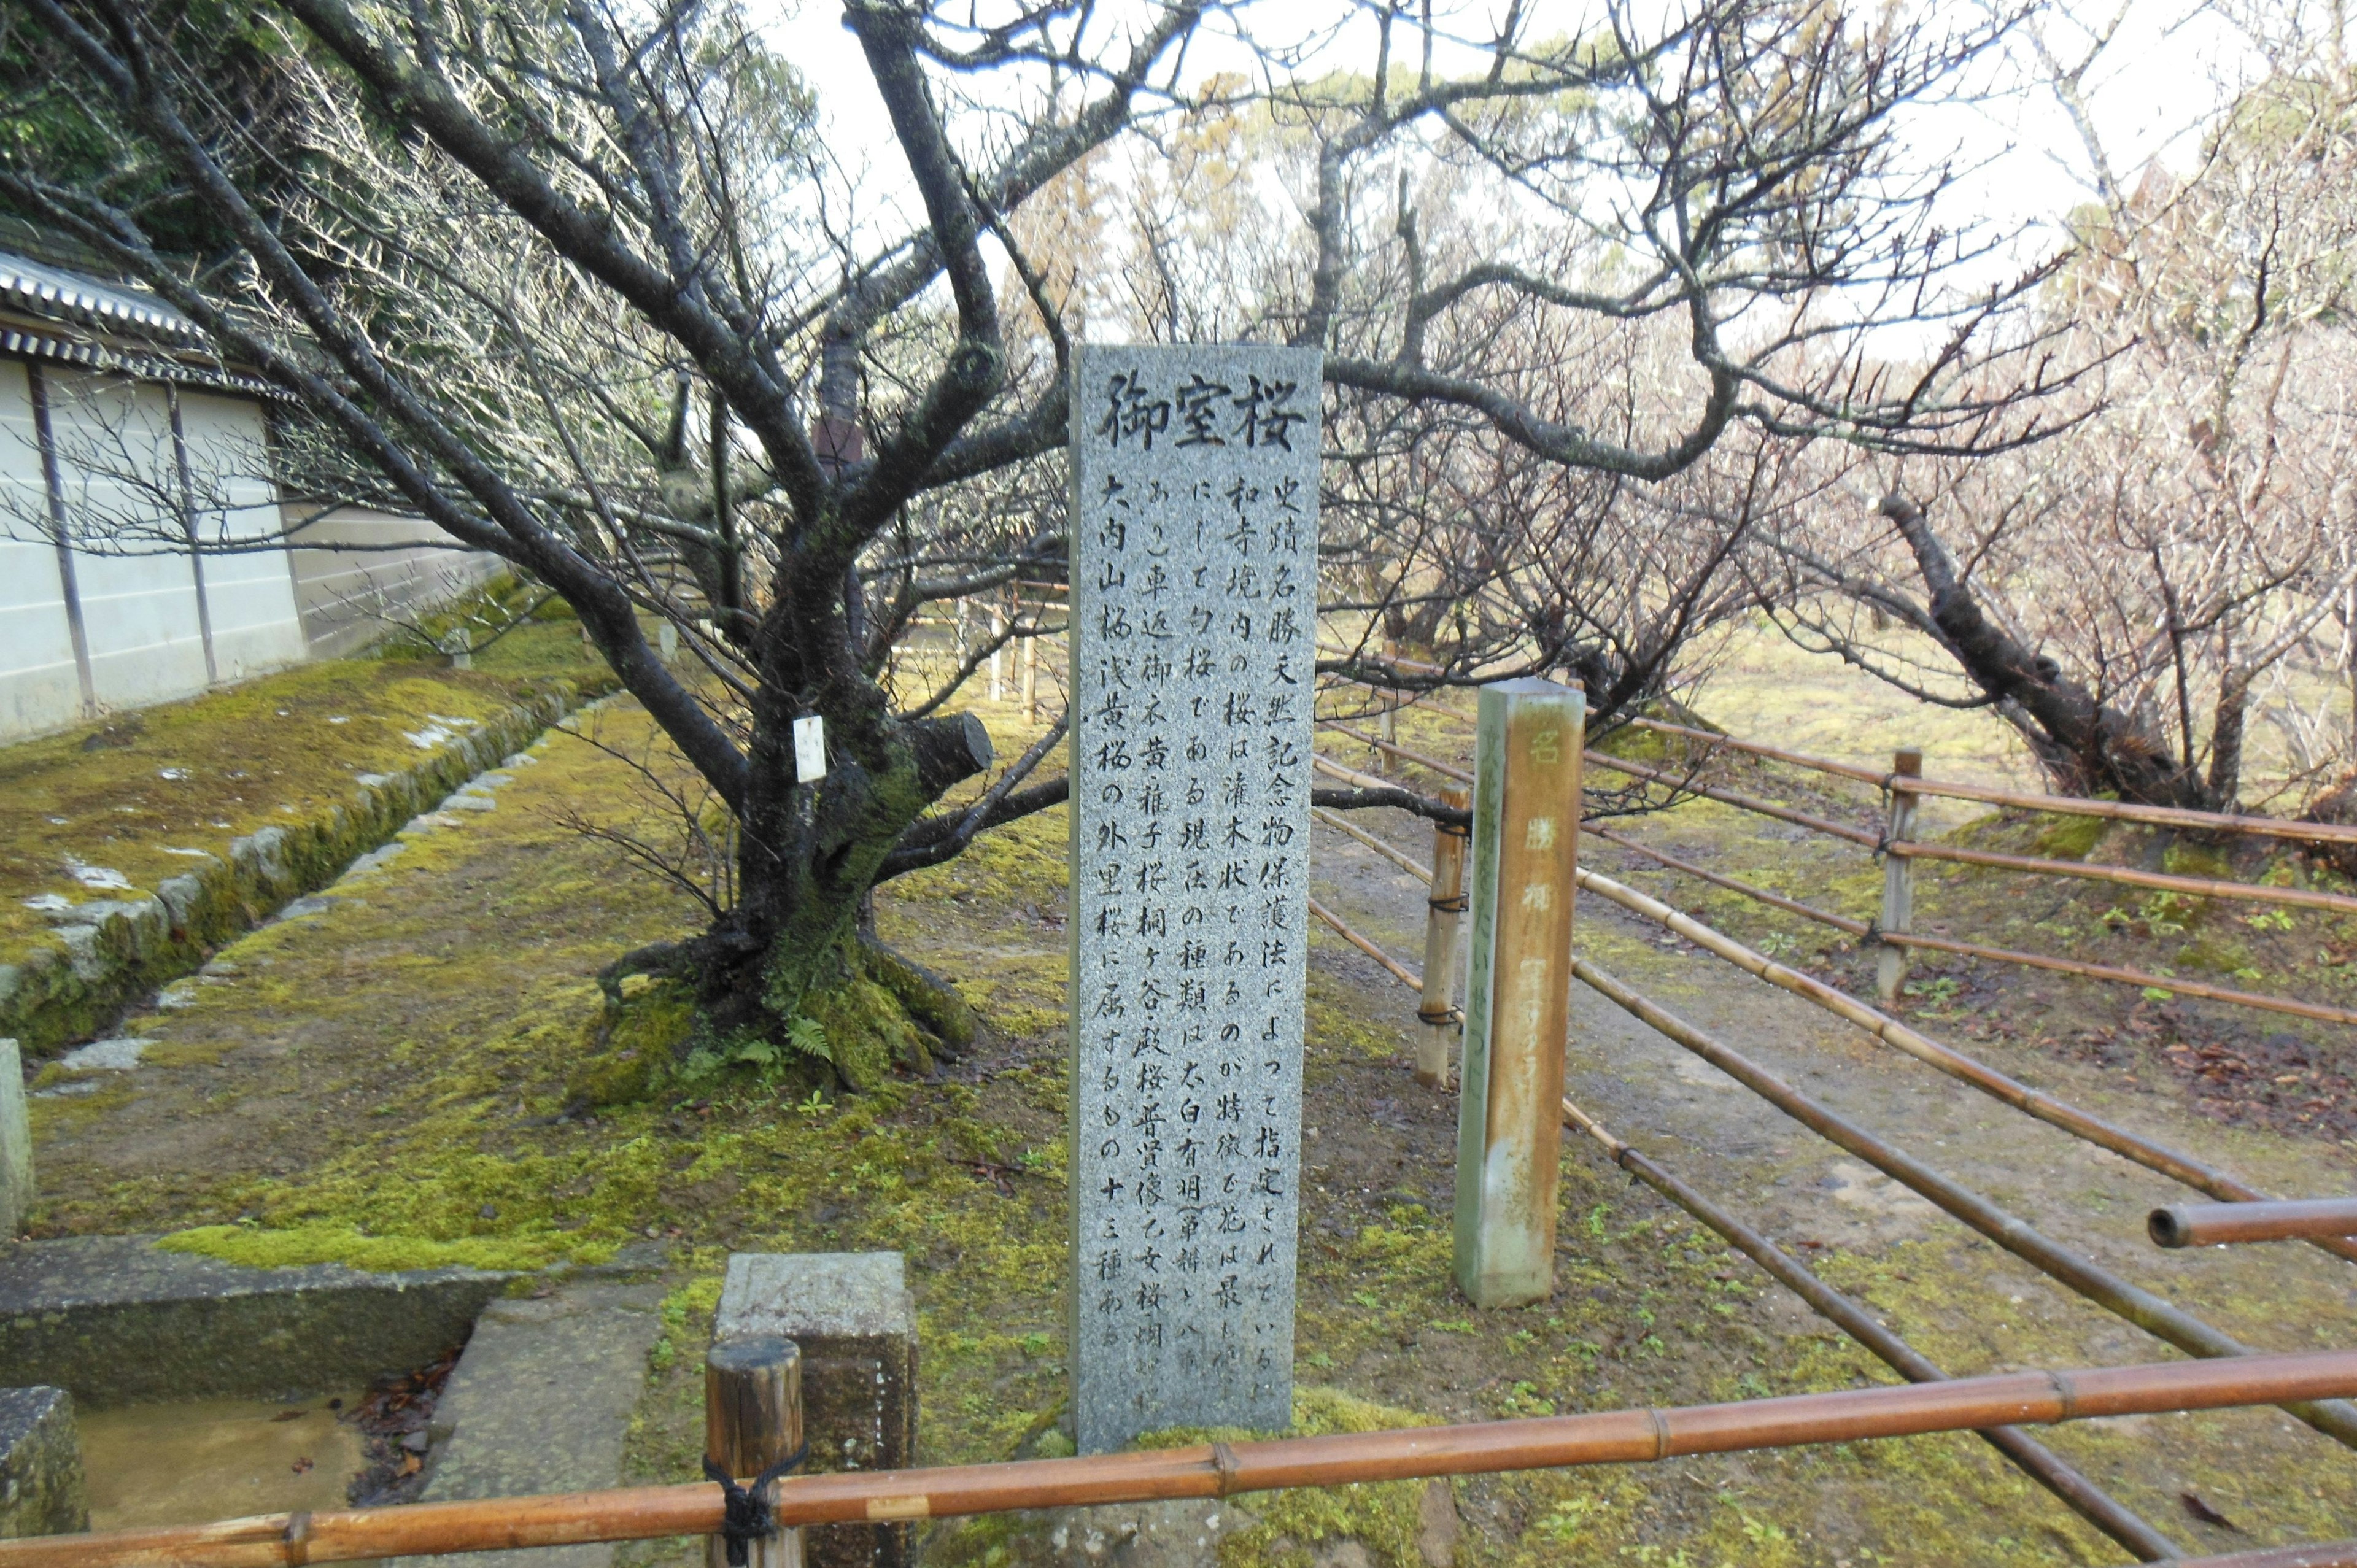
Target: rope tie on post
x=1454 y=905
x=746 y=1518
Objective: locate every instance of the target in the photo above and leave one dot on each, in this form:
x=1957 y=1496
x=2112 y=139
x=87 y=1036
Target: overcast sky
x=2171 y=64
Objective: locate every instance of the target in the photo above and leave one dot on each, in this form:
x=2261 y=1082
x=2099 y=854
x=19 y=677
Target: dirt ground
x=396 y=1077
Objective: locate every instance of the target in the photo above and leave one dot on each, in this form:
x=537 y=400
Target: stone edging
x=108 y=951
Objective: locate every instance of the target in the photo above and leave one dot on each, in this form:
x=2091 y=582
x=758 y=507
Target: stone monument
x=1194 y=618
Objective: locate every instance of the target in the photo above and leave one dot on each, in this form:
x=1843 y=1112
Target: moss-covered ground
x=128 y=802
x=424 y=1071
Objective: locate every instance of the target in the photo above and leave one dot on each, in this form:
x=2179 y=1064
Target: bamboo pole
x=2036 y=1460
x=1216 y=1470
x=2215 y=1224
x=2318 y=1554
x=2058 y=805
x=1400 y=971
x=2111 y=973
x=1445 y=906
x=1775 y=900
x=2191 y=886
x=1898 y=880
x=2154 y=1157
x=1737 y=797
x=2118 y=975
x=2337 y=1419
x=1390 y=748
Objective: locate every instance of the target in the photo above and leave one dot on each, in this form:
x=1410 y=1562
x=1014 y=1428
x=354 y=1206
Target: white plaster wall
x=138 y=593
x=257 y=625
x=352 y=597
x=39 y=689
x=136 y=584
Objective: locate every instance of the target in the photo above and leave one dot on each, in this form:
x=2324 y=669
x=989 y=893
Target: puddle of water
x=206 y=1460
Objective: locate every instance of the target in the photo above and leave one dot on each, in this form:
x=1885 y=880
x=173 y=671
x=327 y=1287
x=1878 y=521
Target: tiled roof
x=44 y=290
x=39 y=289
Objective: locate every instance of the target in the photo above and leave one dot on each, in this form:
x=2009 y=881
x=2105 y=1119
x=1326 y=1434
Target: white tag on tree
x=810 y=749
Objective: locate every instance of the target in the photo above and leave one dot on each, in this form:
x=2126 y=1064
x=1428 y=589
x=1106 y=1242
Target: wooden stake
x=1444 y=915
x=1031 y=678
x=1517 y=1003
x=998 y=651
x=752 y=1419
x=1898 y=877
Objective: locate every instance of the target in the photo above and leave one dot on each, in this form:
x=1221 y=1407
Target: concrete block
x=117 y=1321
x=855 y=1323
x=41 y=1488
x=541 y=1403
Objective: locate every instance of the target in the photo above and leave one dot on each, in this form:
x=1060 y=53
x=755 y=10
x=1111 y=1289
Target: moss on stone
x=327 y=1242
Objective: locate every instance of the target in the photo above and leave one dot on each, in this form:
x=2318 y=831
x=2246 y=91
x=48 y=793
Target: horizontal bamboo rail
x=2191 y=886
x=1446 y=769
x=2112 y=974
x=1738 y=799
x=1775 y=900
x=2036 y=1460
x=1397 y=857
x=1400 y=971
x=2154 y=1157
x=2337 y=1419
x=2058 y=805
x=2116 y=975
x=2318 y=1554
x=1327 y=764
x=1214 y=1470
x=2215 y=1224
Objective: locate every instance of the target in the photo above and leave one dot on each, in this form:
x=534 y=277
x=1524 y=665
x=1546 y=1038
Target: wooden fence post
x=1031 y=674
x=997 y=650
x=1898 y=877
x=752 y=1419
x=1517 y=992
x=1445 y=912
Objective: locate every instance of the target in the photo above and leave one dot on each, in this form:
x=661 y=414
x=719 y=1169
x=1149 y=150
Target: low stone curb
x=109 y=951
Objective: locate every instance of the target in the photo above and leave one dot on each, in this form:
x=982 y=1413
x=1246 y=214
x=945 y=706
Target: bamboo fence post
x=997 y=650
x=1387 y=724
x=1897 y=876
x=1517 y=1003
x=1445 y=911
x=1031 y=676
x=752 y=1419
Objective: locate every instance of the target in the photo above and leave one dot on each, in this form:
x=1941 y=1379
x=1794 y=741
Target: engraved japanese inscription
x=1194 y=541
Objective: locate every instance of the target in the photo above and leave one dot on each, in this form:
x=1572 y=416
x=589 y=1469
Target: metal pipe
x=2212 y=1224
x=1956 y=1064
x=2040 y=1463
x=1212 y=1470
x=2336 y=1419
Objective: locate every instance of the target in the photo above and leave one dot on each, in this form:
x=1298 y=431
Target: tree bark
x=2086 y=747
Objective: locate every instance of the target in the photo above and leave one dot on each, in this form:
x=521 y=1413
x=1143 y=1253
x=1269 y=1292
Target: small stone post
x=15 y=1144
x=852 y=1318
x=752 y=1419
x=1897 y=876
x=1517 y=1003
x=1445 y=912
x=667 y=638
